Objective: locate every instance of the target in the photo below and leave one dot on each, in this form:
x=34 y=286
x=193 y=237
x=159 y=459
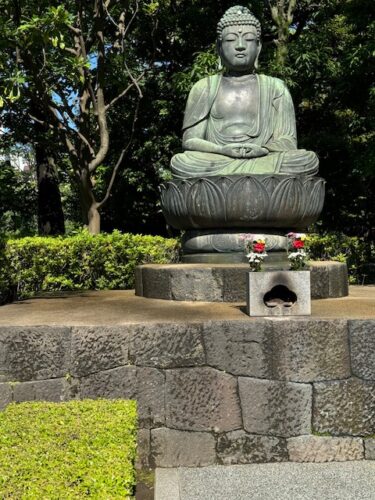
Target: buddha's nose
x=240 y=46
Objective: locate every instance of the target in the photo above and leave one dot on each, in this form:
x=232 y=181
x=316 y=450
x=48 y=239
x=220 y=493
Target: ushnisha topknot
x=235 y=16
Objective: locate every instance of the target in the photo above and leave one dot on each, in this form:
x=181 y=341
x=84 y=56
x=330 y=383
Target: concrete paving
x=119 y=307
x=280 y=481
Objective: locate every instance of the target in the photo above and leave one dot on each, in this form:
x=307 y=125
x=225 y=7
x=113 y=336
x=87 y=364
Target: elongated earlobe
x=256 y=63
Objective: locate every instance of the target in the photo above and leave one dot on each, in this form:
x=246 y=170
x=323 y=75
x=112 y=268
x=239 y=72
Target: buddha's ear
x=218 y=47
x=256 y=64
x=218 y=50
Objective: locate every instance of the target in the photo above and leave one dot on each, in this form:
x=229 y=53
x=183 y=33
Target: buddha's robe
x=274 y=129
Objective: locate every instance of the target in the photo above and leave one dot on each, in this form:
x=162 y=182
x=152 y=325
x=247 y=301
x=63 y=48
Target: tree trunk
x=94 y=220
x=89 y=206
x=282 y=46
x=50 y=212
x=282 y=14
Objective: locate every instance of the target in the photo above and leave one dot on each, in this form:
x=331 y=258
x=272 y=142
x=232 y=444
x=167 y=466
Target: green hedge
x=339 y=247
x=81 y=262
x=70 y=450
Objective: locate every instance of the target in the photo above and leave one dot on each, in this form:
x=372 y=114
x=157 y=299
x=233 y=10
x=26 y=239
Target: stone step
x=286 y=481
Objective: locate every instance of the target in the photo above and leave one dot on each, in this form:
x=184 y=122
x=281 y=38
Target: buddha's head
x=238 y=39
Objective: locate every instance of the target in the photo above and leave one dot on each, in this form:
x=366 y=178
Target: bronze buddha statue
x=240 y=122
x=241 y=170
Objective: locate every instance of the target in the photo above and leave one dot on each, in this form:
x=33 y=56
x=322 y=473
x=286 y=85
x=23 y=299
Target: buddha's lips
x=240 y=55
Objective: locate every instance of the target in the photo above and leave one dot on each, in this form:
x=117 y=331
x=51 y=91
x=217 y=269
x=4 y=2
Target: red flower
x=298 y=244
x=259 y=247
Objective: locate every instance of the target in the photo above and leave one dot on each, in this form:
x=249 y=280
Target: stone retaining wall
x=225 y=392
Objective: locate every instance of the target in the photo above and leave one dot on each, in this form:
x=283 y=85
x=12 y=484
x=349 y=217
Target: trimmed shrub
x=70 y=450
x=84 y=261
x=339 y=247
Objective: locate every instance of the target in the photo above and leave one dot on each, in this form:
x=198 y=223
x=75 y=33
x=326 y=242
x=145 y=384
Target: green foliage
x=329 y=69
x=6 y=288
x=204 y=64
x=83 y=261
x=337 y=246
x=70 y=450
x=18 y=201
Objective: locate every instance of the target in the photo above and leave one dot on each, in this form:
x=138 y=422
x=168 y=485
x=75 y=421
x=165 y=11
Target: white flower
x=301 y=254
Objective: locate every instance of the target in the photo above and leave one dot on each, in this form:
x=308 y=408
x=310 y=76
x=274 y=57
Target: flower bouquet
x=256 y=252
x=296 y=251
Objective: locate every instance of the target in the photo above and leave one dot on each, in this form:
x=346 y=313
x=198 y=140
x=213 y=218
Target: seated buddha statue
x=240 y=122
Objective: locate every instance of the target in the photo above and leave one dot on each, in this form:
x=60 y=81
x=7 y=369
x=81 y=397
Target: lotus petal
x=287 y=202
x=205 y=204
x=315 y=189
x=270 y=183
x=246 y=200
x=173 y=205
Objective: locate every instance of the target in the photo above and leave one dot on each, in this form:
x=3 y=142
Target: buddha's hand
x=243 y=150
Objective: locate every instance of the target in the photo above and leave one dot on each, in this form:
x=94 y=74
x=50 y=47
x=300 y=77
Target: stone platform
x=213 y=385
x=280 y=481
x=226 y=282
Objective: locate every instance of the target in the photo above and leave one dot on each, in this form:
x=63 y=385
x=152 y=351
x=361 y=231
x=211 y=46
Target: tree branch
x=135 y=80
x=131 y=19
x=101 y=108
x=124 y=92
x=290 y=11
x=120 y=159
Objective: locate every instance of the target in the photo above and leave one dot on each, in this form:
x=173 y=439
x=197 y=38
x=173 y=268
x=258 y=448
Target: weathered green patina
x=240 y=122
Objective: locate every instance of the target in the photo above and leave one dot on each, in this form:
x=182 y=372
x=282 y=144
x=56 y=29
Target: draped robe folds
x=274 y=129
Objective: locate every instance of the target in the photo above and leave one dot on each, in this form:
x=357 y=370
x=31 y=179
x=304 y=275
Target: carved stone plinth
x=237 y=201
x=281 y=293
x=226 y=282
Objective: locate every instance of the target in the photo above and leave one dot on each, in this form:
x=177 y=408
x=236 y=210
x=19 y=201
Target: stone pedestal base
x=225 y=241
x=226 y=282
x=283 y=293
x=274 y=261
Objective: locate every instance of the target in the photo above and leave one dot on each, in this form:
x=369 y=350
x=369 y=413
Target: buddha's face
x=239 y=48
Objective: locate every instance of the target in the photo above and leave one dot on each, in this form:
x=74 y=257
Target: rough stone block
x=338 y=279
x=295 y=285
x=329 y=279
x=156 y=282
x=98 y=348
x=171 y=448
x=235 y=284
x=42 y=390
x=319 y=280
x=202 y=399
x=324 y=449
x=146 y=385
x=167 y=345
x=143 y=448
x=275 y=408
x=138 y=281
x=239 y=347
x=310 y=350
x=362 y=342
x=6 y=395
x=117 y=383
x=34 y=353
x=369 y=449
x=196 y=284
x=150 y=397
x=344 y=407
x=238 y=447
